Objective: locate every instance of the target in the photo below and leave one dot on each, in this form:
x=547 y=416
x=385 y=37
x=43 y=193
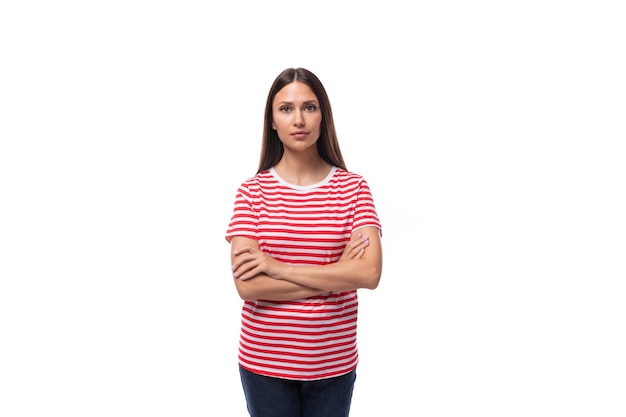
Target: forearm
x=339 y=276
x=357 y=267
x=262 y=287
x=349 y=273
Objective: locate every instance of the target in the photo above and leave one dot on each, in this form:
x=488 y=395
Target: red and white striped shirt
x=315 y=337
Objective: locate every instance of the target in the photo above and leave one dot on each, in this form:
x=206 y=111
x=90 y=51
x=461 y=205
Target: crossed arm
x=259 y=276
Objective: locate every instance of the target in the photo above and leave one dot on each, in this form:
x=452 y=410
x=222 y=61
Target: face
x=296 y=116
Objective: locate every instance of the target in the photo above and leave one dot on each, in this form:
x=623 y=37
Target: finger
x=238 y=262
x=243 y=255
x=243 y=265
x=355 y=244
x=358 y=250
x=243 y=249
x=359 y=253
x=251 y=273
x=241 y=271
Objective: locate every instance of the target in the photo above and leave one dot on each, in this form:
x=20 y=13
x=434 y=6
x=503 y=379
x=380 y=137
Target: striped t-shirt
x=315 y=337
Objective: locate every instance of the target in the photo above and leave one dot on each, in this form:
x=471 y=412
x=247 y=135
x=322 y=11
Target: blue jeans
x=276 y=397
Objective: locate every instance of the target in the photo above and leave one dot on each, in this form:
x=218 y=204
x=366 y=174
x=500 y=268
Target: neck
x=302 y=169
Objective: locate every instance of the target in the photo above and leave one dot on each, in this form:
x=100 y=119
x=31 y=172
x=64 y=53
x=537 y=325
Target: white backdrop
x=490 y=132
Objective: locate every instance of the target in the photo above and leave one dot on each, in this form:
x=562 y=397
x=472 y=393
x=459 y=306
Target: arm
x=263 y=286
x=266 y=287
x=349 y=273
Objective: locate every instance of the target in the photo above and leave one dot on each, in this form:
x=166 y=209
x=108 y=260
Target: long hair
x=327 y=144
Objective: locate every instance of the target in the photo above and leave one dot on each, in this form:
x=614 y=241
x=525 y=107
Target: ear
x=273 y=125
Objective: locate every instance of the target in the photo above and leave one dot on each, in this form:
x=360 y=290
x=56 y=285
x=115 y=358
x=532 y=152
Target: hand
x=250 y=262
x=355 y=247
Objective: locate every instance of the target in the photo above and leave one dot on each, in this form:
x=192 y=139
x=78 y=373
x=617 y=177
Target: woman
x=305 y=236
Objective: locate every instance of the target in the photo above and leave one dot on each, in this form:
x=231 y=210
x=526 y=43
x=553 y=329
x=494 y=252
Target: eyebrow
x=304 y=103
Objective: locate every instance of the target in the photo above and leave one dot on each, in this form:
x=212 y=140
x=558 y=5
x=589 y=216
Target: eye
x=284 y=109
x=310 y=107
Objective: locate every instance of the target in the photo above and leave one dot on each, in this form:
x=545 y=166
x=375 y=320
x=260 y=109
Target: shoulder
x=348 y=177
x=342 y=173
x=258 y=180
x=257 y=186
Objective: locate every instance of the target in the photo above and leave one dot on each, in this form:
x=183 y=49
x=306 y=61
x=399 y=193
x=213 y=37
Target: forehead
x=295 y=92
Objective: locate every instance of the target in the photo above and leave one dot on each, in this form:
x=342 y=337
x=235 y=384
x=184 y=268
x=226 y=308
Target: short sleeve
x=244 y=221
x=365 y=210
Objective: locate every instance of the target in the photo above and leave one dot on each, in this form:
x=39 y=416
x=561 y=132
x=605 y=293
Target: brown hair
x=327 y=144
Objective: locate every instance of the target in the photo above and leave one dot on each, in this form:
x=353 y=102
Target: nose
x=298 y=118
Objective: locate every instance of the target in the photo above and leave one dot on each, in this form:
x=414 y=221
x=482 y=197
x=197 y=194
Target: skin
x=296 y=117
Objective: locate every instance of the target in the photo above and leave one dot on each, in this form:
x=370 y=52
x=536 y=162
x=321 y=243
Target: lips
x=299 y=134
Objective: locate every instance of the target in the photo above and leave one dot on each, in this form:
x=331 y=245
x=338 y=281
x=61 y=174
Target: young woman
x=305 y=236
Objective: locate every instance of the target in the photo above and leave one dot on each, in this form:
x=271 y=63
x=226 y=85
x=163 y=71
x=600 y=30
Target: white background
x=490 y=132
